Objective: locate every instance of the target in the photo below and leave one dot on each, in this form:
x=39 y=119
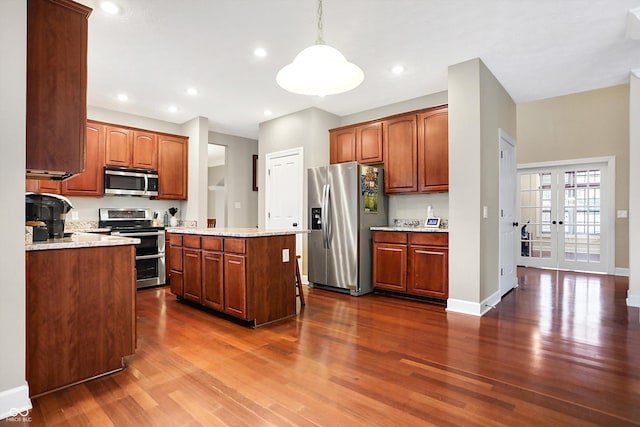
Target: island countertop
x=234 y=232
x=81 y=240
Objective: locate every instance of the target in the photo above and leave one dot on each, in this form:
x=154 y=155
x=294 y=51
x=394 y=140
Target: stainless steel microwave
x=130 y=182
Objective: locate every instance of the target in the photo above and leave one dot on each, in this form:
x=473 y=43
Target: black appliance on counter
x=48 y=208
x=150 y=252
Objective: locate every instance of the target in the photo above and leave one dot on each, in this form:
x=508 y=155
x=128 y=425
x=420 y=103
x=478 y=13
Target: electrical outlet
x=485 y=212
x=236 y=205
x=285 y=255
x=74 y=215
x=622 y=214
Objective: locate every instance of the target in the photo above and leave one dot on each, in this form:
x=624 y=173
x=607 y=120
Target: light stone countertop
x=81 y=240
x=411 y=229
x=234 y=232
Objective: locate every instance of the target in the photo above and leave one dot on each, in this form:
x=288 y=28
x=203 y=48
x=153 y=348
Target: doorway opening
x=216 y=196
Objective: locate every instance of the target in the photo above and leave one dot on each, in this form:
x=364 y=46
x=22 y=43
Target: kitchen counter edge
x=411 y=229
x=81 y=240
x=234 y=232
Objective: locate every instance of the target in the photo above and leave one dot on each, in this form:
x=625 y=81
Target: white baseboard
x=473 y=308
x=633 y=300
x=622 y=272
x=305 y=280
x=14 y=401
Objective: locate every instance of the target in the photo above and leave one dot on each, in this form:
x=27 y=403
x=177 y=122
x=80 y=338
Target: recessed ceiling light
x=267 y=112
x=192 y=91
x=122 y=97
x=260 y=52
x=172 y=108
x=398 y=69
x=110 y=7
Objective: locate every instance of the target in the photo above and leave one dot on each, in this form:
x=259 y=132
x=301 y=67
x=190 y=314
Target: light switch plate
x=285 y=255
x=74 y=215
x=485 y=212
x=622 y=214
x=236 y=205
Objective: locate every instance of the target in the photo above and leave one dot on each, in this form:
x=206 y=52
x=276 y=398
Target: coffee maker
x=48 y=208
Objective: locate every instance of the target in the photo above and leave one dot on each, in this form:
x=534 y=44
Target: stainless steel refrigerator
x=344 y=201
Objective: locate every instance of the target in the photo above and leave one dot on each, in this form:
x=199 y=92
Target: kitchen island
x=80 y=309
x=246 y=273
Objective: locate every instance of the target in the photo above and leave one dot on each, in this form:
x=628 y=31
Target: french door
x=564 y=217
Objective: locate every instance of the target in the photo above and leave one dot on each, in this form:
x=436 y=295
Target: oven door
x=150 y=270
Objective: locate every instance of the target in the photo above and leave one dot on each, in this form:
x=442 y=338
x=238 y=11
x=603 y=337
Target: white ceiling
x=156 y=49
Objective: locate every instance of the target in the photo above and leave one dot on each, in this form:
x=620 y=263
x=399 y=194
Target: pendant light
x=320 y=69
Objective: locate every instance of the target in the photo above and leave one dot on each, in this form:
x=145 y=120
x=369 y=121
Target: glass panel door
x=561 y=217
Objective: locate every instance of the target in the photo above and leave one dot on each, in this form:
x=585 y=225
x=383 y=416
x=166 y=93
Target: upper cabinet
x=361 y=143
x=56 y=87
x=400 y=154
x=433 y=150
x=172 y=167
x=131 y=148
x=91 y=181
x=342 y=145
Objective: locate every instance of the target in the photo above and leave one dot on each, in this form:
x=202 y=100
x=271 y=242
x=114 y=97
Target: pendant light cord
x=320 y=40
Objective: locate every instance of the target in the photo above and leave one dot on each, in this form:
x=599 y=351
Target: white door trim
x=608 y=200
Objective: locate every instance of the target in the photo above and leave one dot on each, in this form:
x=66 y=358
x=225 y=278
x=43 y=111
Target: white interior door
x=284 y=192
x=566 y=210
x=508 y=224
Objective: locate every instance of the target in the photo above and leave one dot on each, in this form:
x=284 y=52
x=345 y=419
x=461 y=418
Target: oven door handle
x=150 y=256
x=155 y=233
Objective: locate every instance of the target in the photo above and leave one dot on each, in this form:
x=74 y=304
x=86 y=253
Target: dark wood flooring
x=561 y=349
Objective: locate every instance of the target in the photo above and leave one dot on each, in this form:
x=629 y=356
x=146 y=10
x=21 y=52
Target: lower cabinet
x=413 y=263
x=244 y=277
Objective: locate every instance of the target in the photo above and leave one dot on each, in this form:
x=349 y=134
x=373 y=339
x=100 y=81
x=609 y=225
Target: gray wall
x=478 y=107
x=13 y=30
x=239 y=179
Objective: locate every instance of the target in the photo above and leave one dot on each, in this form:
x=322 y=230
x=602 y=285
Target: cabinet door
x=91 y=181
x=400 y=154
x=172 y=167
x=43 y=186
x=177 y=285
x=56 y=98
x=390 y=267
x=144 y=150
x=212 y=280
x=433 y=150
x=235 y=285
x=428 y=271
x=342 y=145
x=117 y=147
x=192 y=274
x=369 y=143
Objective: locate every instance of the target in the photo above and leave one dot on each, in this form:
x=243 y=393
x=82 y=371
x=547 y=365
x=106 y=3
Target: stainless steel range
x=150 y=252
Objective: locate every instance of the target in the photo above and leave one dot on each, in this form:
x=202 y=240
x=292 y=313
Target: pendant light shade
x=320 y=69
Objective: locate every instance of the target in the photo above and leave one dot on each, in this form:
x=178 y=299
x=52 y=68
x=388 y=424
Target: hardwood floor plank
x=562 y=349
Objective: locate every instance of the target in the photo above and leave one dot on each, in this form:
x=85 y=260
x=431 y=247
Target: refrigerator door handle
x=328 y=215
x=323 y=218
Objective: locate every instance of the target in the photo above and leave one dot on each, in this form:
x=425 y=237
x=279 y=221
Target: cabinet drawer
x=212 y=243
x=190 y=241
x=440 y=239
x=174 y=239
x=235 y=245
x=390 y=237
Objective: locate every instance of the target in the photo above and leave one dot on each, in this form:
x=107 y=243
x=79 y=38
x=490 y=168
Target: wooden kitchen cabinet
x=43 y=186
x=91 y=181
x=117 y=150
x=235 y=280
x=369 y=143
x=174 y=263
x=342 y=145
x=433 y=150
x=144 y=150
x=413 y=263
x=212 y=273
x=400 y=143
x=56 y=87
x=428 y=266
x=192 y=268
x=362 y=143
x=172 y=167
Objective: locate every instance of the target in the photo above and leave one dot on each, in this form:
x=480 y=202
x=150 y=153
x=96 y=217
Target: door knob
x=560 y=222
x=295 y=224
x=553 y=222
x=515 y=224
